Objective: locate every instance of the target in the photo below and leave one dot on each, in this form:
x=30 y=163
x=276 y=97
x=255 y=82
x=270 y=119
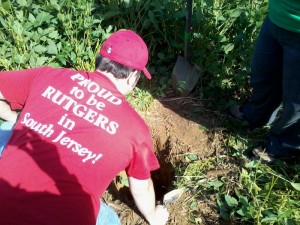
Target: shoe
x=261 y=154
x=235 y=112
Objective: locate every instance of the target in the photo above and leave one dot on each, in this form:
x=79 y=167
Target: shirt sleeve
x=15 y=85
x=143 y=161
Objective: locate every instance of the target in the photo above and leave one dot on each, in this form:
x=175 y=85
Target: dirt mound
x=176 y=133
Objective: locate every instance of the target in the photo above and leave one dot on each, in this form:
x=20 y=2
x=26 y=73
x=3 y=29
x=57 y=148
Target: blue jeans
x=275 y=79
x=106 y=214
x=5 y=133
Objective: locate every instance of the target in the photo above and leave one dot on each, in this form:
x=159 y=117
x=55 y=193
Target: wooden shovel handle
x=187 y=35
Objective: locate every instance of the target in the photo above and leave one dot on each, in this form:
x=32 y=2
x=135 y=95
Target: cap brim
x=147 y=74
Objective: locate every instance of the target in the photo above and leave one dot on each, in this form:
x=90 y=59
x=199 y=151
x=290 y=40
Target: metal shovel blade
x=185 y=75
x=172 y=196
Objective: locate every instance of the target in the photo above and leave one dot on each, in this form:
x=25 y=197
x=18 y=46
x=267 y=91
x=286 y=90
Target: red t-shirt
x=75 y=133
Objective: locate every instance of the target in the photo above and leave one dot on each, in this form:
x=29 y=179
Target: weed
x=140 y=99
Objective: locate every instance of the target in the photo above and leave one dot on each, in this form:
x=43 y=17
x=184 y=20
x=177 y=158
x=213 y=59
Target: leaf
x=152 y=18
x=22 y=2
x=236 y=13
x=193 y=205
x=54 y=4
x=243 y=211
x=110 y=14
x=40 y=61
x=243 y=200
x=42 y=17
x=52 y=49
x=3 y=22
x=146 y=24
x=63 y=60
x=40 y=49
x=290 y=222
x=209 y=2
x=216 y=184
x=128 y=3
x=54 y=34
x=6 y=5
x=229 y=47
x=252 y=164
x=73 y=57
x=269 y=219
x=204 y=128
x=19 y=15
x=161 y=56
x=31 y=18
x=269 y=212
x=222 y=38
x=296 y=186
x=192 y=157
x=18 y=59
x=54 y=64
x=231 y=201
x=18 y=28
x=124 y=181
x=287 y=213
x=224 y=214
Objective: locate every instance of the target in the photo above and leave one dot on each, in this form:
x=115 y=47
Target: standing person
x=275 y=78
x=75 y=133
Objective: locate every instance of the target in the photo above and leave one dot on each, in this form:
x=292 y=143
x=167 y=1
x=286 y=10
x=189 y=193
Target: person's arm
x=5 y=111
x=144 y=198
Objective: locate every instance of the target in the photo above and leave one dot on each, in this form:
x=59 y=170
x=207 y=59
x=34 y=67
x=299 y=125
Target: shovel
x=185 y=74
x=172 y=196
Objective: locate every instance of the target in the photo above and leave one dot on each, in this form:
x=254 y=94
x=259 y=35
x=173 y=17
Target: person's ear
x=133 y=78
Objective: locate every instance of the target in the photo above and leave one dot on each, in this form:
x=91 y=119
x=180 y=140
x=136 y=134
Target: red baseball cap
x=127 y=48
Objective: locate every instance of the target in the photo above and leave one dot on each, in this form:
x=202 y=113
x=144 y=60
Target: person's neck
x=119 y=83
x=108 y=75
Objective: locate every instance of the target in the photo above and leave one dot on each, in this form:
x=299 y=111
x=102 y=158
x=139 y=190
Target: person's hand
x=161 y=216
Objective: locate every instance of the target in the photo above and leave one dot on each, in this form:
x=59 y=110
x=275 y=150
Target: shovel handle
x=187 y=34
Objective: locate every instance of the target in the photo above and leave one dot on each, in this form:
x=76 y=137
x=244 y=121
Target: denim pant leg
x=107 y=216
x=285 y=132
x=6 y=129
x=265 y=78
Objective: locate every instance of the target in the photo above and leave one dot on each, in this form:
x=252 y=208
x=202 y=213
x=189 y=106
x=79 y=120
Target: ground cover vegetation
x=65 y=33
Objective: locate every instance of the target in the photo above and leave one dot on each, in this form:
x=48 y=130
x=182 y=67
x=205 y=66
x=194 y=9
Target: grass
x=251 y=193
x=68 y=34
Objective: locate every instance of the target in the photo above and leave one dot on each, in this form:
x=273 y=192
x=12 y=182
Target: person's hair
x=118 y=70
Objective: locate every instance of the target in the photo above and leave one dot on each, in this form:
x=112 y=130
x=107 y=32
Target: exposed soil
x=176 y=132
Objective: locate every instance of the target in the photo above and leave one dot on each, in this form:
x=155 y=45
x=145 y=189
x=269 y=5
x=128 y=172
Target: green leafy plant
x=140 y=99
x=55 y=33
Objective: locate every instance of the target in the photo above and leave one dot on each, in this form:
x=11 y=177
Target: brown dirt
x=176 y=133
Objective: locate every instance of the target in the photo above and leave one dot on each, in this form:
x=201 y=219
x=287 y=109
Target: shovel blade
x=185 y=75
x=172 y=196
